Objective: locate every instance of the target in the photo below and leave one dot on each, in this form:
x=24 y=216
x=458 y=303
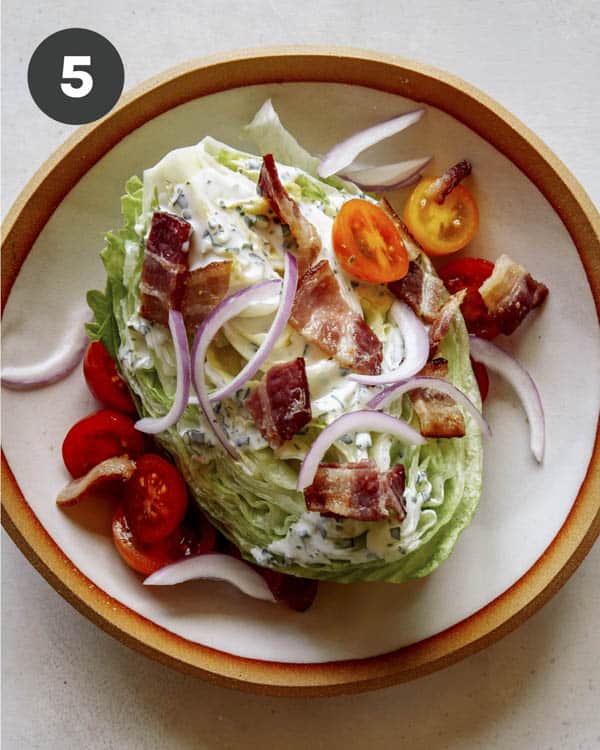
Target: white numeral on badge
x=69 y=71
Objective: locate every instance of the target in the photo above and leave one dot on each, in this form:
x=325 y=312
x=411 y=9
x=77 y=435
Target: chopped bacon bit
x=204 y=289
x=323 y=316
x=112 y=469
x=305 y=234
x=280 y=404
x=445 y=184
x=412 y=246
x=439 y=416
x=422 y=291
x=439 y=327
x=357 y=490
x=165 y=266
x=510 y=293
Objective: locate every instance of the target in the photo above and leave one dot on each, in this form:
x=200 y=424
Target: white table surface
x=65 y=684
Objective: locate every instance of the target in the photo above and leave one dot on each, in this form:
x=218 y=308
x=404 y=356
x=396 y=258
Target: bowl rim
x=63 y=169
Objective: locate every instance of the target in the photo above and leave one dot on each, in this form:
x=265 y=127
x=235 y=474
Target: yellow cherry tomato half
x=367 y=243
x=441 y=228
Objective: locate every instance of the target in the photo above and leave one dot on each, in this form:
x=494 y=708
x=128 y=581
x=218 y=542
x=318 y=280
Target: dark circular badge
x=75 y=76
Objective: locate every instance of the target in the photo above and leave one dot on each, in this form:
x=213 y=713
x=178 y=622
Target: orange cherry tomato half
x=101 y=435
x=104 y=380
x=441 y=228
x=155 y=499
x=367 y=243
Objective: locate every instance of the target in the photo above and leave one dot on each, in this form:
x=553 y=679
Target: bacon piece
x=204 y=289
x=357 y=490
x=305 y=234
x=441 y=187
x=422 y=291
x=439 y=327
x=107 y=471
x=280 y=404
x=323 y=316
x=510 y=293
x=412 y=247
x=439 y=416
x=165 y=266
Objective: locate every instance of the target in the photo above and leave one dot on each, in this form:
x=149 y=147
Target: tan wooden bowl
x=88 y=144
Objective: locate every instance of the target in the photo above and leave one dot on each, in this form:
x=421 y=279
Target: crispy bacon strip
x=323 y=316
x=412 y=247
x=280 y=404
x=165 y=266
x=439 y=416
x=445 y=184
x=106 y=472
x=422 y=291
x=357 y=490
x=510 y=293
x=305 y=234
x=439 y=327
x=203 y=290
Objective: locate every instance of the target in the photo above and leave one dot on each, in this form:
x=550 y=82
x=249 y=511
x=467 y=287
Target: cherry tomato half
x=469 y=274
x=104 y=381
x=143 y=558
x=483 y=380
x=367 y=243
x=101 y=435
x=185 y=541
x=441 y=228
x=155 y=499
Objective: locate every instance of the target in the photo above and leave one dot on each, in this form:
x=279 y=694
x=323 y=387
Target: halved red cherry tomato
x=143 y=558
x=155 y=499
x=483 y=380
x=185 y=541
x=441 y=228
x=104 y=381
x=469 y=274
x=367 y=243
x=101 y=435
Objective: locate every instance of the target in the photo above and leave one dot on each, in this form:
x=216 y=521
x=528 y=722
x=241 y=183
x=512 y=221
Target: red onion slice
x=416 y=348
x=345 y=152
x=60 y=363
x=224 y=311
x=288 y=292
x=385 y=398
x=497 y=360
x=388 y=176
x=356 y=421
x=213 y=567
x=152 y=426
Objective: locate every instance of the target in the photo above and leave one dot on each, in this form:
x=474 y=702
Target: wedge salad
x=275 y=344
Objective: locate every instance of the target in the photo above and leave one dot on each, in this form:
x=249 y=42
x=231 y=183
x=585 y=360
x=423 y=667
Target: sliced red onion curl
x=387 y=176
x=150 y=425
x=503 y=363
x=213 y=567
x=416 y=348
x=388 y=395
x=288 y=292
x=224 y=311
x=60 y=363
x=355 y=421
x=345 y=152
x=106 y=472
